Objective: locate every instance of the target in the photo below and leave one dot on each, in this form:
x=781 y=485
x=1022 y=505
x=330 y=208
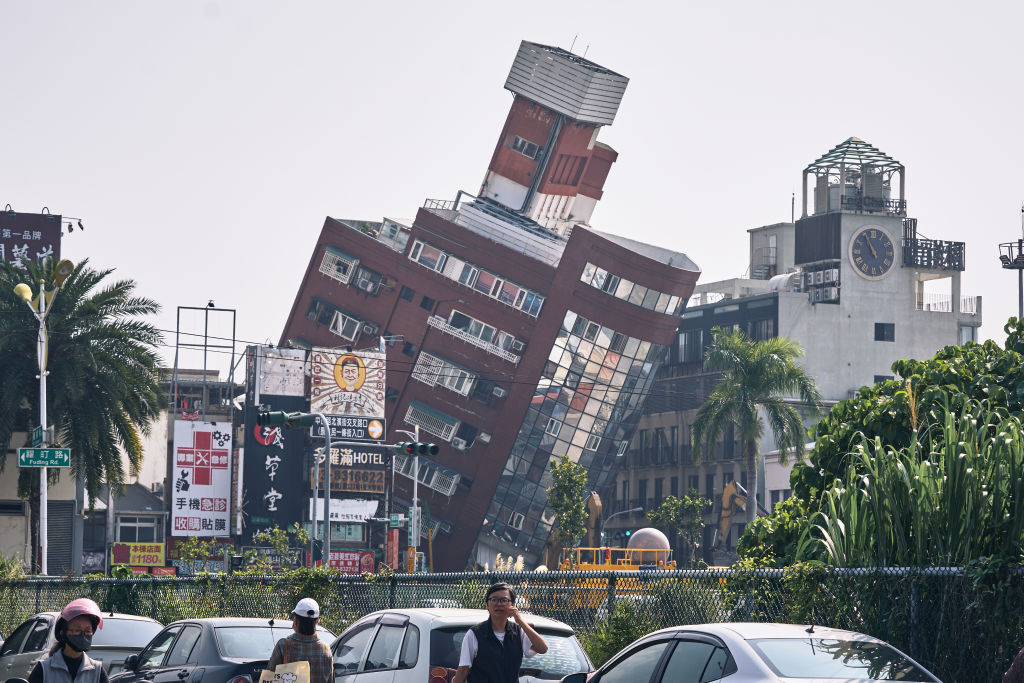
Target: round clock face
x=872 y=253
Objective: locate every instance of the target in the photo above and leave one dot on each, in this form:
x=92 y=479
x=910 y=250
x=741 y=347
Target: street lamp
x=24 y=292
x=1011 y=256
x=415 y=516
x=616 y=514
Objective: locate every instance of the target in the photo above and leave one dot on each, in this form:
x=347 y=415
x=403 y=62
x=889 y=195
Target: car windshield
x=256 y=642
x=564 y=655
x=845 y=659
x=132 y=633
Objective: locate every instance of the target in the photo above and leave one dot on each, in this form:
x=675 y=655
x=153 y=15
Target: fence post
x=611 y=593
x=393 y=592
x=914 y=597
x=39 y=588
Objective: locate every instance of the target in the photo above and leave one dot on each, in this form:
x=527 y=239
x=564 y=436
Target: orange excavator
x=734 y=499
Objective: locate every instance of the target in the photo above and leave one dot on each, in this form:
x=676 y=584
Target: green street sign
x=37 y=437
x=44 y=457
x=395 y=520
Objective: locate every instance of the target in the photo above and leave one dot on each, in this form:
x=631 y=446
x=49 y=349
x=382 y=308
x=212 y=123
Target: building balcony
x=937 y=254
x=439 y=323
x=943 y=303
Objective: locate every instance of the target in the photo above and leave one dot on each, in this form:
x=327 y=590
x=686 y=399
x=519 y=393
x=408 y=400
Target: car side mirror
x=131 y=662
x=578 y=677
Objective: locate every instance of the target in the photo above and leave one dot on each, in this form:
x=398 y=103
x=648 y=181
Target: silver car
x=744 y=653
x=121 y=635
x=421 y=645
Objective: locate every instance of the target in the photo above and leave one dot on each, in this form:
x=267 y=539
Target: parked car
x=418 y=645
x=121 y=636
x=742 y=653
x=214 y=650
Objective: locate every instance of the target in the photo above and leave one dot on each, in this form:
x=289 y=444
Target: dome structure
x=648 y=538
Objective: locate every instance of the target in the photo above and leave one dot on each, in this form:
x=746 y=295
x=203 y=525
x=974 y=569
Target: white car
x=422 y=645
x=744 y=653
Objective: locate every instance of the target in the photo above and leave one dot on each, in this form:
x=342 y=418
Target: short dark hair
x=307 y=625
x=501 y=586
x=350 y=361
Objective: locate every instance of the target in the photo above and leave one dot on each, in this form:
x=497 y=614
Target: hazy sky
x=203 y=142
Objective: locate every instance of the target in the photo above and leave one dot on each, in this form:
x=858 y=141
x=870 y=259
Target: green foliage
x=287 y=544
x=772 y=541
x=622 y=626
x=950 y=505
x=685 y=516
x=11 y=567
x=755 y=375
x=567 y=498
x=102 y=373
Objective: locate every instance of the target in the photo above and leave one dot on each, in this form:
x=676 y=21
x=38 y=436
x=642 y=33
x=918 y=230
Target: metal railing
x=440 y=323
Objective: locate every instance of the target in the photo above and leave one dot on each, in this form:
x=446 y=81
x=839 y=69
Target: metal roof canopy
x=854 y=152
x=863 y=166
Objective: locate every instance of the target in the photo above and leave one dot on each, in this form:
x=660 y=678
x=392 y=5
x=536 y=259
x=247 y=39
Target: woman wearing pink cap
x=68 y=662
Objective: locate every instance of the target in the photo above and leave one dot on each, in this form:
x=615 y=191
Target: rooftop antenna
x=587 y=49
x=573 y=42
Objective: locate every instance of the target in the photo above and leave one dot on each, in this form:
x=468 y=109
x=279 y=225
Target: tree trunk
x=751 y=448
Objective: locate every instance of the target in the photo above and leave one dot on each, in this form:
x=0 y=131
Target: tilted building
x=515 y=332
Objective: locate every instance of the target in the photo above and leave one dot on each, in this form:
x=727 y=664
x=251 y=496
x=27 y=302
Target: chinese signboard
x=29 y=237
x=350 y=561
x=202 y=478
x=348 y=388
x=137 y=554
x=346 y=511
x=44 y=457
x=356 y=469
x=275 y=457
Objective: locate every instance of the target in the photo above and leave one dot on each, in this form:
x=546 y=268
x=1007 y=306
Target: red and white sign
x=202 y=478
x=350 y=561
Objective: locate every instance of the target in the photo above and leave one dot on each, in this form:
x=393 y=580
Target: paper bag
x=296 y=672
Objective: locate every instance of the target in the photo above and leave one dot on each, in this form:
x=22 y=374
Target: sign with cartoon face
x=348 y=387
x=200 y=499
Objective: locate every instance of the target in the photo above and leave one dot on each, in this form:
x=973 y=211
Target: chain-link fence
x=964 y=625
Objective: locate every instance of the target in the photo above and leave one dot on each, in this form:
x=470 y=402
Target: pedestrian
x=1015 y=674
x=305 y=645
x=68 y=662
x=492 y=651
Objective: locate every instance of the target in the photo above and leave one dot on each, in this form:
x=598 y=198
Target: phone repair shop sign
x=138 y=554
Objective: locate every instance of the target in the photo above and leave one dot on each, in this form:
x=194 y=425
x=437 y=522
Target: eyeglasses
x=499 y=601
x=80 y=632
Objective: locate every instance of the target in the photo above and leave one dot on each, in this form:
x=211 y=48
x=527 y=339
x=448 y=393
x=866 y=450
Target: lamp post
x=1011 y=256
x=24 y=292
x=327 y=491
x=616 y=514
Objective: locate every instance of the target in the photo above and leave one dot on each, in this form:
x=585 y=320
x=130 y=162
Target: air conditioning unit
x=500 y=392
x=831 y=294
x=819 y=277
x=369 y=328
x=459 y=444
x=518 y=345
x=367 y=285
x=483 y=437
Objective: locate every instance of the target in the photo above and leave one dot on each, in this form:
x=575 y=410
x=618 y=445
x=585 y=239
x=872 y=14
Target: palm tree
x=102 y=375
x=756 y=375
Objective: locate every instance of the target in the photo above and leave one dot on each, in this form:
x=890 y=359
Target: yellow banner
x=138 y=554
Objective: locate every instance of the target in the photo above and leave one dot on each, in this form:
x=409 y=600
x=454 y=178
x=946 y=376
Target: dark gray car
x=121 y=635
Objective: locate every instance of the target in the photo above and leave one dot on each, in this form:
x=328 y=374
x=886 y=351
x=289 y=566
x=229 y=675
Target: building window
x=659 y=488
x=345 y=326
x=709 y=486
x=882 y=378
x=474 y=327
x=426 y=255
x=140 y=530
x=368 y=280
x=427 y=304
x=694 y=482
x=338 y=265
x=968 y=333
x=12 y=507
x=674 y=486
x=525 y=147
x=762 y=329
x=553 y=426
x=407 y=293
x=885 y=332
x=625 y=492
x=623 y=445
x=437 y=371
x=593 y=441
x=409 y=349
x=691 y=349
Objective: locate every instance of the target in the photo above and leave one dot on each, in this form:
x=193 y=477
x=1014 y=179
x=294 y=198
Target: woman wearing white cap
x=305 y=645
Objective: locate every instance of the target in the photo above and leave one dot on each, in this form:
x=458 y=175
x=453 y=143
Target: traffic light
x=627 y=533
x=279 y=418
x=414 y=448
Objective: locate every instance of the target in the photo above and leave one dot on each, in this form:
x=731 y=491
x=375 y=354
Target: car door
x=180 y=660
x=11 y=648
x=698 y=659
x=350 y=650
x=151 y=659
x=640 y=663
x=386 y=650
x=35 y=648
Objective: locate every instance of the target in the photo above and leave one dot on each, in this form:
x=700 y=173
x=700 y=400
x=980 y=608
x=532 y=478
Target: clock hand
x=873 y=252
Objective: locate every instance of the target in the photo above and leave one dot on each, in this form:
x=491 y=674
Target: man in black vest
x=493 y=650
